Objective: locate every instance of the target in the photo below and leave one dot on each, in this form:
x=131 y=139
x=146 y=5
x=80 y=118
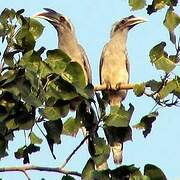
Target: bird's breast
x=114 y=69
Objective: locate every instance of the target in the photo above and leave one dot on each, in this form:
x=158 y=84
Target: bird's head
x=126 y=23
x=59 y=21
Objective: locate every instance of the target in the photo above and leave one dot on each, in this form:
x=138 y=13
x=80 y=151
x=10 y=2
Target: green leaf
x=119 y=117
x=2 y=30
x=67 y=177
x=9 y=58
x=101 y=175
x=7 y=13
x=153 y=172
x=88 y=170
x=51 y=113
x=174 y=58
x=172 y=20
x=23 y=86
x=159 y=58
x=157 y=52
x=31 y=60
x=139 y=89
x=11 y=124
x=167 y=89
x=44 y=70
x=3 y=147
x=146 y=123
x=154 y=85
x=20 y=152
x=74 y=75
x=159 y=4
x=177 y=90
x=124 y=171
x=32 y=148
x=54 y=130
x=36 y=28
x=25 y=39
x=139 y=177
x=20 y=11
x=34 y=100
x=24 y=152
x=61 y=89
x=28 y=124
x=137 y=4
x=57 y=60
x=71 y=127
x=165 y=64
x=102 y=151
x=35 y=139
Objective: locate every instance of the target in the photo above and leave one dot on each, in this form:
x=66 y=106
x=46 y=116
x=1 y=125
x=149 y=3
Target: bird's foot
x=118 y=86
x=108 y=86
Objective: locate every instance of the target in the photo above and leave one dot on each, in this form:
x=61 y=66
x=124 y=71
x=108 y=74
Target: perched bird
x=68 y=43
x=114 y=68
x=67 y=40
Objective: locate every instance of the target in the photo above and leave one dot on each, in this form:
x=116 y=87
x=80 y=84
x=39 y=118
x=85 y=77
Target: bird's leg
x=118 y=86
x=108 y=86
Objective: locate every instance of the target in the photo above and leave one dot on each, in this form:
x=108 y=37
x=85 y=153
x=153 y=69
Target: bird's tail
x=115 y=99
x=117 y=150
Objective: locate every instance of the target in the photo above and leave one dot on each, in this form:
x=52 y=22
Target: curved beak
x=49 y=15
x=135 y=20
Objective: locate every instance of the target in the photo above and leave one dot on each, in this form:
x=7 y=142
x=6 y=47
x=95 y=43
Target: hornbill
x=67 y=40
x=114 y=69
x=68 y=43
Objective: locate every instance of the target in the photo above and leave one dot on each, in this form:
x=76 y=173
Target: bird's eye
x=132 y=16
x=123 y=21
x=61 y=18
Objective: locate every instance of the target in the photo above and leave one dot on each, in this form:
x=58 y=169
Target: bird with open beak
x=114 y=69
x=67 y=40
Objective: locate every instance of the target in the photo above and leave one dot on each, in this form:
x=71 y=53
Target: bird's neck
x=120 y=37
x=66 y=40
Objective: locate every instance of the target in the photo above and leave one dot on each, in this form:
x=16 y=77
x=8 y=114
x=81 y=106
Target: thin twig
x=25 y=173
x=40 y=130
x=39 y=168
x=74 y=151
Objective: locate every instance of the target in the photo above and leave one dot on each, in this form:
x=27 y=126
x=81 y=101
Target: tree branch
x=74 y=151
x=102 y=87
x=39 y=168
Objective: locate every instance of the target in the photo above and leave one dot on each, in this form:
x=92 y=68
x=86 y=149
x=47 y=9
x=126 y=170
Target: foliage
x=36 y=90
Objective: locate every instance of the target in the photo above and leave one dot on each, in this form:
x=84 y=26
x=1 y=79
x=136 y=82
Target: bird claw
x=118 y=85
x=108 y=86
x=113 y=87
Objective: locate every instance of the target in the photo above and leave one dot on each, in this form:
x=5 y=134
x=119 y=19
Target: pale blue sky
x=92 y=20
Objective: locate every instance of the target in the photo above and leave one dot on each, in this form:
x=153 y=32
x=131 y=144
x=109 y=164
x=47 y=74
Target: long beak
x=136 y=20
x=44 y=15
x=49 y=15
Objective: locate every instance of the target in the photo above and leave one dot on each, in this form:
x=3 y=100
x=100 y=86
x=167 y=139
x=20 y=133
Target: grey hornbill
x=67 y=40
x=68 y=43
x=114 y=70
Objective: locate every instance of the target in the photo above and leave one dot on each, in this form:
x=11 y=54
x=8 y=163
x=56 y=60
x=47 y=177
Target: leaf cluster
x=39 y=86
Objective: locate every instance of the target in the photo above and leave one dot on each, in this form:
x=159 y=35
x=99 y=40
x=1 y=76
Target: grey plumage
x=114 y=69
x=67 y=40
